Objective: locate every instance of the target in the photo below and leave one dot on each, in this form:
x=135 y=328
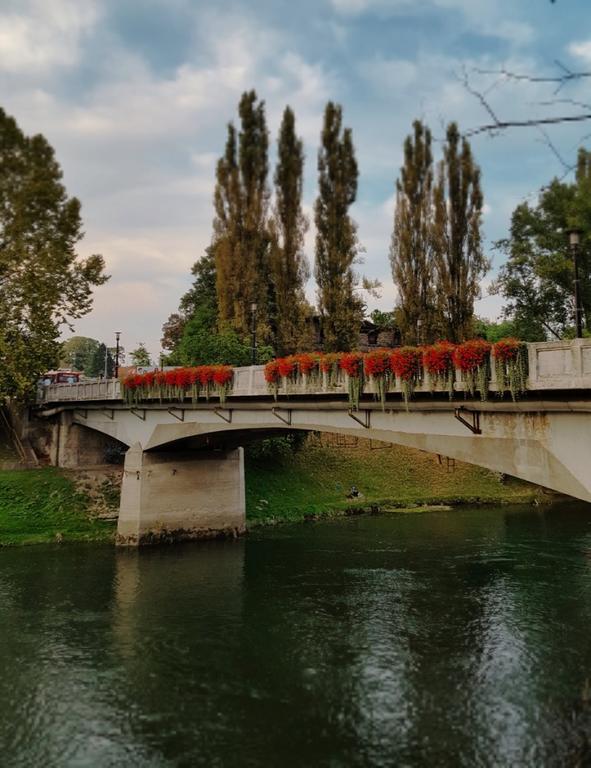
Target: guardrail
x=552 y=365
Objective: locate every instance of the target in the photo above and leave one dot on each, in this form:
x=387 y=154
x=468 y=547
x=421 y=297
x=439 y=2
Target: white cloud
x=581 y=50
x=44 y=34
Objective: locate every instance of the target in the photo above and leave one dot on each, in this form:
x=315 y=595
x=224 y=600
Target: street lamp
x=117 y=337
x=574 y=240
x=253 y=328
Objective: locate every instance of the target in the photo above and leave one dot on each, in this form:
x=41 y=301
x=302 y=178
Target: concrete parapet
x=179 y=495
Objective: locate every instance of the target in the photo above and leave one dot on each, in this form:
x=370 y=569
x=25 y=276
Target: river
x=458 y=638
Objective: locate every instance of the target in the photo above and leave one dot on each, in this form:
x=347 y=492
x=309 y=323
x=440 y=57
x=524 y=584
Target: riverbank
x=46 y=505
x=315 y=481
x=39 y=506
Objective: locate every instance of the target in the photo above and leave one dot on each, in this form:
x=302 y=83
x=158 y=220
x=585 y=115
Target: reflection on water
x=453 y=638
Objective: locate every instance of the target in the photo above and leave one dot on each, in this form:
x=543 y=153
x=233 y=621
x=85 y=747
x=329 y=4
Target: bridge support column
x=171 y=496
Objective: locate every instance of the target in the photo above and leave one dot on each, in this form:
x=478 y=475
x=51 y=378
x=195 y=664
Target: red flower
x=222 y=374
x=352 y=364
x=306 y=363
x=439 y=358
x=406 y=362
x=272 y=372
x=286 y=366
x=506 y=349
x=182 y=377
x=471 y=354
x=170 y=378
x=376 y=363
x=205 y=374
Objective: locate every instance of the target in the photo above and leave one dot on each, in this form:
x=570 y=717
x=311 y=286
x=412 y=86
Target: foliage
x=102 y=363
x=337 y=246
x=376 y=368
x=405 y=363
x=241 y=238
x=537 y=278
x=472 y=358
x=78 y=353
x=494 y=331
x=288 y=225
x=411 y=255
x=438 y=362
x=383 y=320
x=352 y=364
x=510 y=358
x=203 y=346
x=457 y=240
x=179 y=384
x=43 y=283
x=140 y=356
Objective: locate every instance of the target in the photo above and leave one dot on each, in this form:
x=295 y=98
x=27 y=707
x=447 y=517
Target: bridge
x=184 y=465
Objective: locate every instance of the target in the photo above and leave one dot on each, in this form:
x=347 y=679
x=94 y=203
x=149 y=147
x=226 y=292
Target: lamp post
x=117 y=337
x=253 y=329
x=574 y=239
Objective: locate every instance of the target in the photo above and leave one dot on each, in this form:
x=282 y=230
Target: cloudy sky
x=135 y=95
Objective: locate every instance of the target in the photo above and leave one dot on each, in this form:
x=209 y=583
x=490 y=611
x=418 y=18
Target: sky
x=135 y=95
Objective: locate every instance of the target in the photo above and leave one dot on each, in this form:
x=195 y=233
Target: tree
x=336 y=234
x=457 y=243
x=77 y=353
x=199 y=348
x=43 y=283
x=411 y=251
x=241 y=239
x=200 y=301
x=102 y=363
x=289 y=268
x=537 y=279
x=140 y=356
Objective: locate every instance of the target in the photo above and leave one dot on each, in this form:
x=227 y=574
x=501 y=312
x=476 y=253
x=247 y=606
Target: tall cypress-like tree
x=289 y=267
x=336 y=234
x=457 y=241
x=411 y=253
x=241 y=240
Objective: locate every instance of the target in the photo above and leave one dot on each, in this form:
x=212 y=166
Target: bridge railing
x=552 y=365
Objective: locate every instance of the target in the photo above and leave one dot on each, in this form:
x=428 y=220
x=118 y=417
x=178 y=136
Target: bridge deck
x=553 y=366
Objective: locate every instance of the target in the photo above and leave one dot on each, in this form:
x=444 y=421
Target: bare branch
x=532 y=123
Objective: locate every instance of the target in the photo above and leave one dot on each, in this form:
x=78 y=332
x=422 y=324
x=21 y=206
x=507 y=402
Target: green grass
x=315 y=481
x=41 y=506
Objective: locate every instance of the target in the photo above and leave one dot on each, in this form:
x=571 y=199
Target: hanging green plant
x=473 y=360
x=510 y=356
x=352 y=364
x=406 y=364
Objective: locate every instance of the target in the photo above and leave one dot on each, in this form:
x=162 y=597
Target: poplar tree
x=241 y=240
x=411 y=253
x=336 y=234
x=289 y=267
x=457 y=240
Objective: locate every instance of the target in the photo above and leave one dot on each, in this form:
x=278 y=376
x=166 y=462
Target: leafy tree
x=337 y=245
x=537 y=279
x=411 y=252
x=383 y=320
x=78 y=352
x=140 y=356
x=200 y=348
x=102 y=363
x=288 y=226
x=43 y=283
x=172 y=331
x=241 y=239
x=494 y=331
x=457 y=241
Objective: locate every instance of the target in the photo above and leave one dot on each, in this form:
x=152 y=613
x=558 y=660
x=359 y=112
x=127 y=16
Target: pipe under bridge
x=184 y=468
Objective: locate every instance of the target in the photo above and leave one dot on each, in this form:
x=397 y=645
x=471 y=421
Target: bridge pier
x=181 y=495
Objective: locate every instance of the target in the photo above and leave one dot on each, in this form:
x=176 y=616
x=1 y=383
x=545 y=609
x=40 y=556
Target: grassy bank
x=315 y=481
x=42 y=505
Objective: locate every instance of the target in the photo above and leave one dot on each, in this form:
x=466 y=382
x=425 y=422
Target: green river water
x=458 y=638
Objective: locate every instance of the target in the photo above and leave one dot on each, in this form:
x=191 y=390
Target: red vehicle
x=61 y=377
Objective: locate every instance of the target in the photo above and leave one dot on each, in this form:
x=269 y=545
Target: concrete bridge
x=184 y=467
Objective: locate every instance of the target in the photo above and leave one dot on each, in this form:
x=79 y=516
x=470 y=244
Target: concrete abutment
x=181 y=495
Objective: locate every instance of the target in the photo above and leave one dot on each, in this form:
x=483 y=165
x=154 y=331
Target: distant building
x=370 y=336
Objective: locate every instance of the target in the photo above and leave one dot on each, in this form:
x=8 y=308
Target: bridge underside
x=184 y=471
